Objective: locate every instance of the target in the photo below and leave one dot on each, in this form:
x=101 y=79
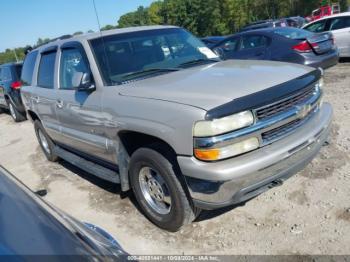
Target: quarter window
x=6 y=74
x=46 y=70
x=28 y=68
x=72 y=62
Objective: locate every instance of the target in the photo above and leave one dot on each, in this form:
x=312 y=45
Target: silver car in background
x=339 y=25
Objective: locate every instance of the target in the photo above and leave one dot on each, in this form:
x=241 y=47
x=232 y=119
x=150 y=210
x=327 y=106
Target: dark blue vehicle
x=30 y=228
x=286 y=44
x=10 y=97
x=211 y=41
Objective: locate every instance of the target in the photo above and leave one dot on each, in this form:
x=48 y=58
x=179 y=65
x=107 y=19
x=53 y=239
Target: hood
x=212 y=85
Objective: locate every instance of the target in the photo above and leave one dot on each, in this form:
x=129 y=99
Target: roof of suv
x=90 y=36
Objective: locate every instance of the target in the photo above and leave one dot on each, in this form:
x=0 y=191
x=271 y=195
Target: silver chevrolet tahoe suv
x=154 y=110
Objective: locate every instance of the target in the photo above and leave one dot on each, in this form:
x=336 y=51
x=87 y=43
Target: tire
x=17 y=116
x=154 y=161
x=45 y=141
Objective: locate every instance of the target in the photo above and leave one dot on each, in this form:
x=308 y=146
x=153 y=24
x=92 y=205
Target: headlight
x=223 y=125
x=227 y=151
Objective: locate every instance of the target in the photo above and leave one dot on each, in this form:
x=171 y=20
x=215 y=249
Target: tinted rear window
x=18 y=70
x=28 y=68
x=6 y=74
x=293 y=33
x=46 y=70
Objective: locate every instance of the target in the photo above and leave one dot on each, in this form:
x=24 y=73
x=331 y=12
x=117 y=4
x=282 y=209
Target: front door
x=79 y=111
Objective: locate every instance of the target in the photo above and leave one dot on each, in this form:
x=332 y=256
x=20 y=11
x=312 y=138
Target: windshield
x=293 y=33
x=123 y=57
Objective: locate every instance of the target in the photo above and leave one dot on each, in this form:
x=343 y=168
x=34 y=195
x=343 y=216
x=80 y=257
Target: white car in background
x=339 y=25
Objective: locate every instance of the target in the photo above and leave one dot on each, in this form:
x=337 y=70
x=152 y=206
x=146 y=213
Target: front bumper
x=228 y=182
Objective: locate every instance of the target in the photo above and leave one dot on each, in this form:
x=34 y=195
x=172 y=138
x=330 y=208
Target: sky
x=24 y=21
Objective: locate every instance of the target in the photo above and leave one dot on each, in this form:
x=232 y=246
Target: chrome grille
x=281 y=131
x=273 y=134
x=285 y=104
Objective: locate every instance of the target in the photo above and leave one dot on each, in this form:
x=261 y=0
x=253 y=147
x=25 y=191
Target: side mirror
x=219 y=52
x=82 y=81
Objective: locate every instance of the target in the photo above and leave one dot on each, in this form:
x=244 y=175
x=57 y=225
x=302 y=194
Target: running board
x=88 y=166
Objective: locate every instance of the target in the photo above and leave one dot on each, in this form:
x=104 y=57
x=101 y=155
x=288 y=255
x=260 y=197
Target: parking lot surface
x=309 y=214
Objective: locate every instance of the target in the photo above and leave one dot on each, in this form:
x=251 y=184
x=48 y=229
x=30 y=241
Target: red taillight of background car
x=16 y=85
x=303 y=47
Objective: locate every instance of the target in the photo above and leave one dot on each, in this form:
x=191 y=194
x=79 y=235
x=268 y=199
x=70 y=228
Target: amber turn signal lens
x=207 y=155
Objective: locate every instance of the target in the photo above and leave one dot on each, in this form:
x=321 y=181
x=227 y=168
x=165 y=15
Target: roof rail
x=30 y=48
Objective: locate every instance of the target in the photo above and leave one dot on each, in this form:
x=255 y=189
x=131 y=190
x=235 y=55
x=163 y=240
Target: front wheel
x=158 y=190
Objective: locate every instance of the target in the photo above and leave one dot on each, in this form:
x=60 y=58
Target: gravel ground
x=309 y=214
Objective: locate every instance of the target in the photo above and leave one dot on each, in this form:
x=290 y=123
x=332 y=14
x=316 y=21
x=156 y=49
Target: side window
x=317 y=27
x=230 y=45
x=6 y=74
x=254 y=41
x=339 y=23
x=28 y=68
x=47 y=70
x=72 y=62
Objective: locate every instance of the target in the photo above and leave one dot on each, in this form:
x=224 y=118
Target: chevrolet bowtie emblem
x=304 y=110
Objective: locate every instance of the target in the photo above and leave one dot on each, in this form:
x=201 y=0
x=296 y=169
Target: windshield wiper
x=198 y=61
x=150 y=71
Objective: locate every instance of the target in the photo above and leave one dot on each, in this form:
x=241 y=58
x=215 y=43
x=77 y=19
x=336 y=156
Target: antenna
x=103 y=41
x=98 y=19
x=14 y=51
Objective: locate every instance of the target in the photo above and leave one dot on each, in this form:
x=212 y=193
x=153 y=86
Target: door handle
x=59 y=104
x=36 y=99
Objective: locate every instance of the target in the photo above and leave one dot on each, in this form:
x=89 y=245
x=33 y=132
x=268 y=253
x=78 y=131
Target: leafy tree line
x=12 y=55
x=202 y=17
x=218 y=17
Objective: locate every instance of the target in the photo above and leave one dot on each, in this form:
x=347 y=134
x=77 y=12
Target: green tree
x=78 y=33
x=107 y=27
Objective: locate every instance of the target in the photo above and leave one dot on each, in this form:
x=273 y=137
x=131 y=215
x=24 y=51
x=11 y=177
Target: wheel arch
x=33 y=116
x=130 y=141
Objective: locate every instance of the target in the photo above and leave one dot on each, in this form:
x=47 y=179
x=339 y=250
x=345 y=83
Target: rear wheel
x=17 y=116
x=45 y=141
x=158 y=190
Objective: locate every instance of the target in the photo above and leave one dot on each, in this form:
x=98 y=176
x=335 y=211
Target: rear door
x=340 y=27
x=253 y=46
x=79 y=111
x=45 y=94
